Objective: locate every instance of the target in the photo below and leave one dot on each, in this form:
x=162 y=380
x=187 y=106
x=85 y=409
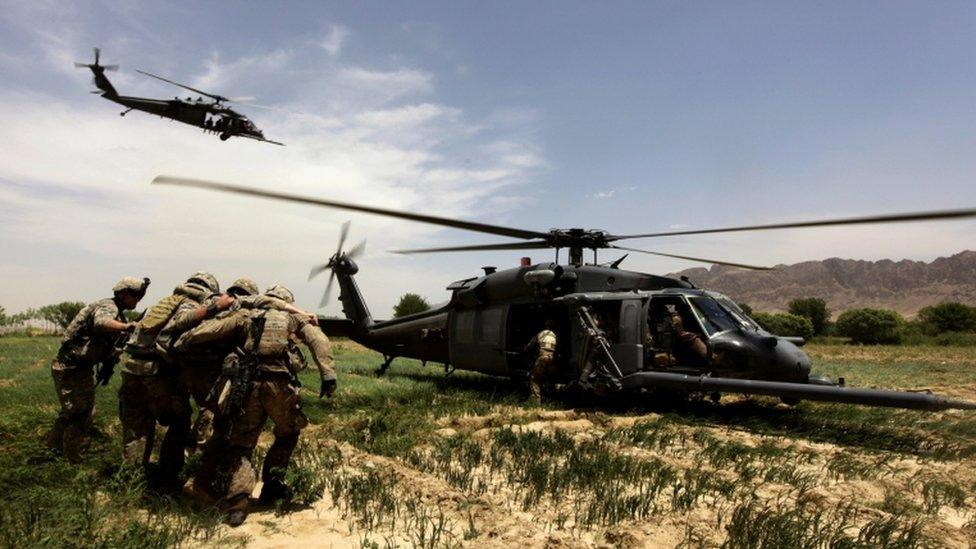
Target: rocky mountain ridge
x=905 y=286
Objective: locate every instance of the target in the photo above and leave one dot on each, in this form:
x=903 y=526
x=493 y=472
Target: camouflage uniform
x=272 y=393
x=86 y=342
x=150 y=390
x=199 y=370
x=542 y=367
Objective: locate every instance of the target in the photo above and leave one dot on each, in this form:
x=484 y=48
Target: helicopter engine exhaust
x=803 y=391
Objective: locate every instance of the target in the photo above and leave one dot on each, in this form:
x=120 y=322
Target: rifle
x=106 y=367
x=597 y=337
x=239 y=375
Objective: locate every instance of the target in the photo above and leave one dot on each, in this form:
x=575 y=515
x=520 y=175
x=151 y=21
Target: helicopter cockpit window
x=738 y=314
x=715 y=318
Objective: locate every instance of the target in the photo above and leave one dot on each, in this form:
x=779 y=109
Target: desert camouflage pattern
x=544 y=365
x=76 y=395
x=225 y=467
x=86 y=342
x=145 y=401
x=244 y=286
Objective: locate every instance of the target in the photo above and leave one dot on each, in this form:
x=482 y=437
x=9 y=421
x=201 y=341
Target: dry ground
x=418 y=458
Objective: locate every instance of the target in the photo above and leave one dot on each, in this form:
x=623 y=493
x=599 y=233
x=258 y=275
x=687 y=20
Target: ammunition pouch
x=144 y=366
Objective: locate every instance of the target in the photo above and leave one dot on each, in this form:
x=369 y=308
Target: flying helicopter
x=620 y=331
x=212 y=115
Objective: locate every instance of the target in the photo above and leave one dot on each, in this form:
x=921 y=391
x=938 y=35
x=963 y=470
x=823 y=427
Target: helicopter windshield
x=716 y=318
x=737 y=313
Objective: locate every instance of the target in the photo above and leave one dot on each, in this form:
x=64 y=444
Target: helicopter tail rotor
x=96 y=66
x=338 y=260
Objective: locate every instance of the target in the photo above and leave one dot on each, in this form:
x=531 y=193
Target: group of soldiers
x=235 y=354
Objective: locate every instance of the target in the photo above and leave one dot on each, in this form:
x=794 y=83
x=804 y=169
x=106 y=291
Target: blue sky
x=629 y=117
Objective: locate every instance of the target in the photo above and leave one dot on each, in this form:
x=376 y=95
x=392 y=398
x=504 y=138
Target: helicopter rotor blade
x=110 y=67
x=698 y=259
x=357 y=250
x=81 y=65
x=98 y=53
x=343 y=233
x=530 y=245
x=318 y=269
x=422 y=218
x=893 y=218
x=328 y=290
x=215 y=97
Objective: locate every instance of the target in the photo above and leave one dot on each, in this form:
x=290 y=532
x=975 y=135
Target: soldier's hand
x=328 y=388
x=130 y=326
x=313 y=318
x=224 y=302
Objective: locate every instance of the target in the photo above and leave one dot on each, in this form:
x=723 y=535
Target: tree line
x=948 y=323
x=53 y=318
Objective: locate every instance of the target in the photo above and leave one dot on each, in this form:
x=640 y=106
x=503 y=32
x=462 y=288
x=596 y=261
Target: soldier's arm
x=104 y=320
x=268 y=302
x=211 y=330
x=321 y=348
x=532 y=343
x=187 y=317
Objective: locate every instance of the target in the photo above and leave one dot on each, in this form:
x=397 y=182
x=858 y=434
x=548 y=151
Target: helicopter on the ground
x=213 y=115
x=618 y=330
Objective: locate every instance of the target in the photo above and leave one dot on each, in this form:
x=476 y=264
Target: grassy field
x=418 y=458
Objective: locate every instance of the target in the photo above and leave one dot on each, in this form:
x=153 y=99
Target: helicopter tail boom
x=802 y=391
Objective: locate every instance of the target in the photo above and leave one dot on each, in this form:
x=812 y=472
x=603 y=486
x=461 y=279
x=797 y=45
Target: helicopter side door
x=628 y=350
x=675 y=337
x=477 y=341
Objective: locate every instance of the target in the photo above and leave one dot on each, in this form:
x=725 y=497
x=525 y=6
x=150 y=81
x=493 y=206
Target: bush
x=410 y=304
x=948 y=317
x=746 y=308
x=814 y=309
x=785 y=324
x=871 y=326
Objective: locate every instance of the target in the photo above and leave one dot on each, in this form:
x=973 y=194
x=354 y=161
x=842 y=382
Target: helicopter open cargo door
x=477 y=339
x=628 y=350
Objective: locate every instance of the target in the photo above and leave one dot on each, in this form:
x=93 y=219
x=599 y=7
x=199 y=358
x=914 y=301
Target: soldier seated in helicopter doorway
x=543 y=366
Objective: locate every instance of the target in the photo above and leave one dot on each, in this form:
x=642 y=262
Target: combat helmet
x=243 y=286
x=132 y=284
x=281 y=293
x=206 y=280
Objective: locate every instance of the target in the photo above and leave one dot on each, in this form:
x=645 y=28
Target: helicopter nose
x=792 y=359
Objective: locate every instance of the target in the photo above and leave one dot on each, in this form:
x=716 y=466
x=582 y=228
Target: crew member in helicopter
x=544 y=343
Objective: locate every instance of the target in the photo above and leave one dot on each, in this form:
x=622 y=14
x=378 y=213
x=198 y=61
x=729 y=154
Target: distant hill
x=905 y=286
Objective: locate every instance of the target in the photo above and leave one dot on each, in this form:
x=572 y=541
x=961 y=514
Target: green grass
x=622 y=474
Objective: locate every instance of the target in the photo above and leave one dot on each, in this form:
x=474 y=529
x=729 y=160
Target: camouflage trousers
x=145 y=401
x=198 y=380
x=225 y=467
x=76 y=394
x=542 y=371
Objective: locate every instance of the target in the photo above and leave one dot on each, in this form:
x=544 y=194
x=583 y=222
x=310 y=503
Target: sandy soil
x=498 y=524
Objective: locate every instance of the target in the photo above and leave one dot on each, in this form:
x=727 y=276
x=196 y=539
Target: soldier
x=272 y=392
x=545 y=343
x=689 y=349
x=91 y=338
x=198 y=371
x=150 y=392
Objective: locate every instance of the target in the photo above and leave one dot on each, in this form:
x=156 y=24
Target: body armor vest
x=80 y=343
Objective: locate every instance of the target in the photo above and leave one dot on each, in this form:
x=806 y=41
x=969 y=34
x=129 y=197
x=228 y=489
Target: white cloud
x=78 y=211
x=334 y=39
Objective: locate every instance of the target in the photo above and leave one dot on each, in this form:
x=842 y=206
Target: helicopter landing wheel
x=387 y=360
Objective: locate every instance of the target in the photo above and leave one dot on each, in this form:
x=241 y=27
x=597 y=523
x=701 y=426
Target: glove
x=328 y=388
